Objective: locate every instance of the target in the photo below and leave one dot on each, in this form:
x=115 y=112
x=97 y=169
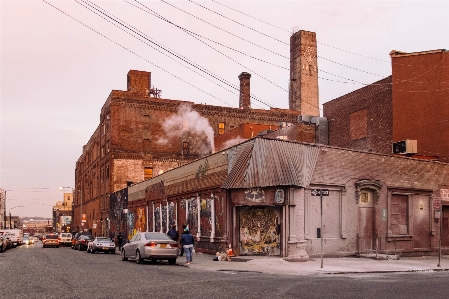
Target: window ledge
x=399 y=238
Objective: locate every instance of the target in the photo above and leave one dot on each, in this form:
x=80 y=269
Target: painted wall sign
x=279 y=196
x=255 y=194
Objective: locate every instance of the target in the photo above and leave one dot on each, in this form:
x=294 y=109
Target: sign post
x=321 y=193
x=437 y=209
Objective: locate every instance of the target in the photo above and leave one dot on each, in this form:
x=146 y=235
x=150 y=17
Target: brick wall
x=362 y=119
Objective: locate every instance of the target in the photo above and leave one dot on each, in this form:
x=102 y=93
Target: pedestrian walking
x=188 y=242
x=184 y=228
x=119 y=241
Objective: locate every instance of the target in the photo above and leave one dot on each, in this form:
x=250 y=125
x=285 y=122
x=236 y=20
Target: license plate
x=163 y=245
x=105 y=248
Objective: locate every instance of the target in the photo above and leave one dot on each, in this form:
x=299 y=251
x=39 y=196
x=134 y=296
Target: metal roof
x=263 y=162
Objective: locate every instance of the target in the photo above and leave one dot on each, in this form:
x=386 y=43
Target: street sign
x=437 y=203
x=319 y=192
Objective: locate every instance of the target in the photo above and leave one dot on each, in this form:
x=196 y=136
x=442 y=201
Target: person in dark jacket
x=187 y=242
x=184 y=228
x=119 y=240
x=173 y=233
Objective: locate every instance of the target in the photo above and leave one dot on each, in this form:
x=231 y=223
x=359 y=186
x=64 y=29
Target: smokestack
x=245 y=94
x=139 y=81
x=303 y=91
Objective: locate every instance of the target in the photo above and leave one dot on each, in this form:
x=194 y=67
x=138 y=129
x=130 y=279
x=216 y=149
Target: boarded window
x=185 y=148
x=358 y=124
x=399 y=215
x=221 y=128
x=148 y=173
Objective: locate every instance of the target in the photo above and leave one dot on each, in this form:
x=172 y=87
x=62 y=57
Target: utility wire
x=179 y=56
x=230 y=58
x=162 y=52
x=250 y=16
x=132 y=52
x=261 y=47
x=223 y=16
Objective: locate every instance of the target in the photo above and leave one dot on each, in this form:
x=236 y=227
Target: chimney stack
x=139 y=81
x=303 y=93
x=245 y=94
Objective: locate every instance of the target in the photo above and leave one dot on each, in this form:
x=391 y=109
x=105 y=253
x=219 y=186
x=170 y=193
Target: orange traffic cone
x=230 y=252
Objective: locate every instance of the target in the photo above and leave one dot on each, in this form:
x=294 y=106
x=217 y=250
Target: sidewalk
x=347 y=265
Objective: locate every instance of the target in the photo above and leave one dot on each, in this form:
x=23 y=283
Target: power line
x=223 y=16
x=271 y=82
x=250 y=16
x=132 y=52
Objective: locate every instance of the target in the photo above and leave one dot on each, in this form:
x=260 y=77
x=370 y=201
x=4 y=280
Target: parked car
x=50 y=240
x=75 y=236
x=65 y=239
x=3 y=244
x=152 y=246
x=28 y=241
x=101 y=244
x=82 y=241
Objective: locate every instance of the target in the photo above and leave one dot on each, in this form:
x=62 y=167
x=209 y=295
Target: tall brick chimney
x=245 y=93
x=139 y=81
x=303 y=94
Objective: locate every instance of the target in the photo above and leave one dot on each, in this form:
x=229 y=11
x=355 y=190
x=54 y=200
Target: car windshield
x=85 y=237
x=51 y=236
x=104 y=240
x=65 y=235
x=157 y=236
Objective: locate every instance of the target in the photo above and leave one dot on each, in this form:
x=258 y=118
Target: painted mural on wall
x=131 y=224
x=259 y=231
x=171 y=214
x=255 y=195
x=157 y=218
x=118 y=202
x=140 y=220
x=192 y=215
x=164 y=218
x=206 y=216
x=219 y=216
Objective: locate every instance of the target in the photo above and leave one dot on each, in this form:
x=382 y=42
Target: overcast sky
x=56 y=73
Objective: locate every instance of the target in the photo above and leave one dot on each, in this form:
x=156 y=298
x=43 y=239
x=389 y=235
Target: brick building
x=141 y=135
x=410 y=104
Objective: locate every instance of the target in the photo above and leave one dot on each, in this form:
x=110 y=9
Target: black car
x=82 y=241
x=75 y=237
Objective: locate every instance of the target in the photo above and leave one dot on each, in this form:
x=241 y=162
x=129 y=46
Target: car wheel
x=172 y=261
x=124 y=258
x=92 y=251
x=153 y=261
x=43 y=246
x=139 y=259
x=112 y=251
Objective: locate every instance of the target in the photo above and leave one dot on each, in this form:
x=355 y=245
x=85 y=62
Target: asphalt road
x=35 y=272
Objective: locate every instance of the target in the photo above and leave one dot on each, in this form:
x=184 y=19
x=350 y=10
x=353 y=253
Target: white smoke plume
x=187 y=120
x=232 y=142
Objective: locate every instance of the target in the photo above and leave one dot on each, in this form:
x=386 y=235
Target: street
x=31 y=270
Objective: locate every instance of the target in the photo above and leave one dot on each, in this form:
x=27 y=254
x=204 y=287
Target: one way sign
x=318 y=192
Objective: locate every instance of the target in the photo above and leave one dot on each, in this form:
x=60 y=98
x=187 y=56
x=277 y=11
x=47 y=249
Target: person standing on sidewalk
x=119 y=241
x=188 y=242
x=184 y=228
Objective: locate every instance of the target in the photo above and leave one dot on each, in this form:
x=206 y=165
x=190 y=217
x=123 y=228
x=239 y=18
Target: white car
x=101 y=244
x=65 y=239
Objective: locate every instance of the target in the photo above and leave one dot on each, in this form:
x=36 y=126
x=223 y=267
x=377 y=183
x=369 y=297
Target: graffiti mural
x=206 y=216
x=140 y=220
x=118 y=202
x=164 y=218
x=259 y=231
x=171 y=214
x=157 y=219
x=192 y=215
x=131 y=227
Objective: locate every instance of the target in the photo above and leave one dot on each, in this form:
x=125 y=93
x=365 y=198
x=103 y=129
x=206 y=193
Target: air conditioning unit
x=406 y=146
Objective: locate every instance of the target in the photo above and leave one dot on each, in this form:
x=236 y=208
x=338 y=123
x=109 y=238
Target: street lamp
x=10 y=214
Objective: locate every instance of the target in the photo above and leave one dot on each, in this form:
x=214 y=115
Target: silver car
x=101 y=244
x=152 y=246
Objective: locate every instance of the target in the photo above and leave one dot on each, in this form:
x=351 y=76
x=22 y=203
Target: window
x=185 y=148
x=107 y=146
x=148 y=173
x=102 y=150
x=107 y=172
x=221 y=128
x=102 y=176
x=399 y=215
x=358 y=124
